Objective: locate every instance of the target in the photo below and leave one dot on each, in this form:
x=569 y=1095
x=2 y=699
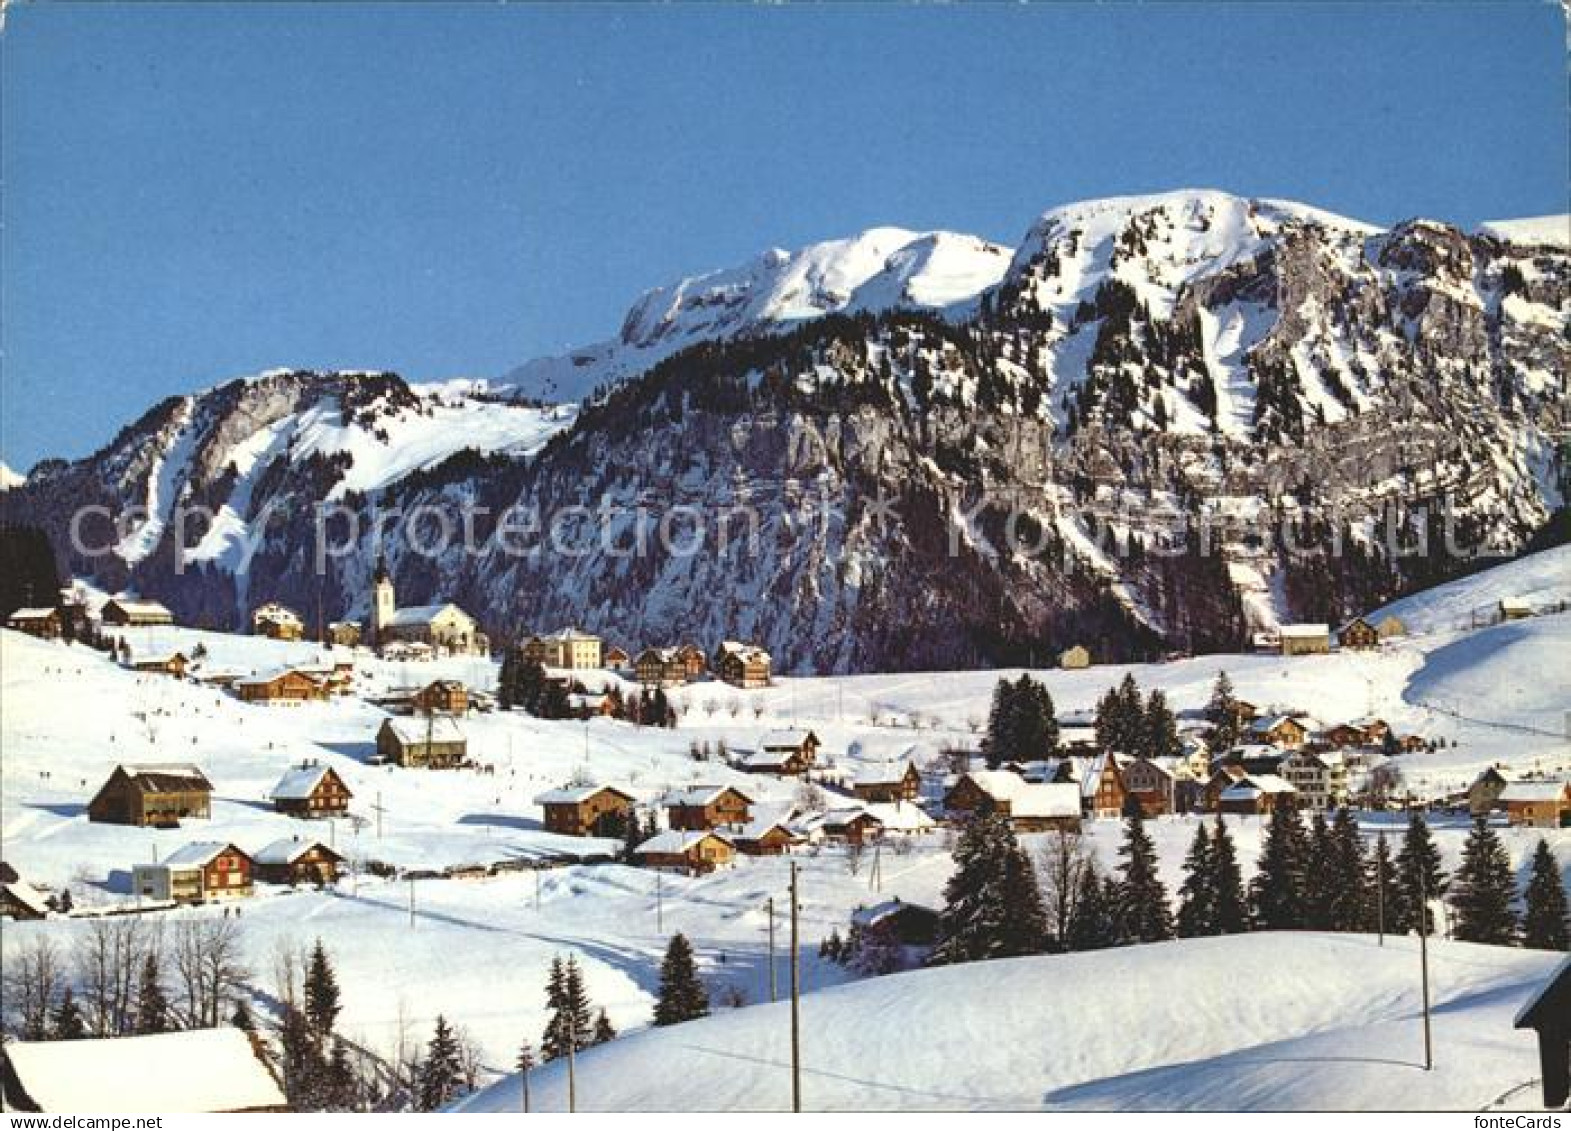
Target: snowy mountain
x=9 y=478
x=955 y=455
x=879 y=270
x=1264 y=1022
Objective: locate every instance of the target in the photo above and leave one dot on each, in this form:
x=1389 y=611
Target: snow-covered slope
x=877 y=270
x=1542 y=580
x=1542 y=231
x=9 y=478
x=1252 y=1022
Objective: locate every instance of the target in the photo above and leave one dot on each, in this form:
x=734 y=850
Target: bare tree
x=1062 y=861
x=207 y=963
x=34 y=977
x=108 y=958
x=470 y=1060
x=810 y=797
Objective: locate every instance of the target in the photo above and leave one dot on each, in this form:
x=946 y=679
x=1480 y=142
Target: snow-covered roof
x=197 y=854
x=760 y=826
x=299 y=783
x=1030 y=799
x=569 y=634
x=766 y=759
x=198 y=1070
x=1091 y=775
x=27 y=895
x=31 y=614
x=274 y=674
x=135 y=606
x=166 y=776
x=574 y=794
x=872 y=916
x=275 y=612
x=703 y=795
x=1269 y=723
x=885 y=773
x=1534 y=791
x=1514 y=605
x=286 y=850
x=746 y=651
x=845 y=818
x=677 y=841
x=1303 y=631
x=1253 y=785
x=903 y=818
x=439 y=728
x=782 y=739
x=415 y=616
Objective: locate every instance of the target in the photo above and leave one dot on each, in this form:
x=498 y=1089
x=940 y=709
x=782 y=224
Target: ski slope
x=1253 y=1022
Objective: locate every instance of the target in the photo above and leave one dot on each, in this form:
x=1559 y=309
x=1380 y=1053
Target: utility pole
x=1380 y=889
x=572 y=1064
x=411 y=903
x=875 y=878
x=659 y=906
x=537 y=886
x=1423 y=962
x=769 y=907
x=377 y=808
x=796 y=995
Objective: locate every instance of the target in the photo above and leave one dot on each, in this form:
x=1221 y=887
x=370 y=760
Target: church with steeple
x=444 y=627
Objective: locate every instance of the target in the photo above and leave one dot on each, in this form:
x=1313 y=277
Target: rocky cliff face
x=1171 y=420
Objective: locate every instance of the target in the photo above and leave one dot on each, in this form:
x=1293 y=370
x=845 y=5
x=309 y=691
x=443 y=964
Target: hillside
x=1263 y=1023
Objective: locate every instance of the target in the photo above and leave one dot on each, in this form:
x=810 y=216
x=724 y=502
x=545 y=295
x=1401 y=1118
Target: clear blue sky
x=194 y=193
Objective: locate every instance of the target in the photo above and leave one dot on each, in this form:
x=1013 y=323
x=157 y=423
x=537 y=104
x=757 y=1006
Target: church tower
x=384 y=603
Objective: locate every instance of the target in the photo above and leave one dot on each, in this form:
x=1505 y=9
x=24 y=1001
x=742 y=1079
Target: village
x=412 y=781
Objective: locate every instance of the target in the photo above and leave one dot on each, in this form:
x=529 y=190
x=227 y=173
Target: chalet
x=442 y=626
x=617 y=659
x=1391 y=627
x=1254 y=758
x=708 y=807
x=277 y=622
x=660 y=667
x=765 y=837
x=434 y=742
x=196 y=1070
x=311 y=790
x=591 y=705
x=1152 y=782
x=742 y=665
x=1226 y=775
x=1548 y=1013
x=42 y=623
x=1514 y=608
x=1318 y=776
x=1076 y=657
x=1304 y=639
x=1254 y=795
x=417 y=650
x=890 y=781
x=900 y=818
x=294 y=861
x=693 y=660
x=8 y=874
x=1279 y=730
x=1344 y=735
x=337 y=676
x=849 y=826
x=199 y=872
x=1029 y=806
x=1102 y=789
x=694 y=851
x=22 y=901
x=344 y=633
x=566 y=648
x=1412 y=744
x=1244 y=711
x=441 y=697
x=894 y=922
x=586 y=810
x=125 y=612
x=783 y=753
x=171 y=663
x=159 y=795
x=1483 y=796
x=1538 y=804
x=282 y=686
x=1358 y=633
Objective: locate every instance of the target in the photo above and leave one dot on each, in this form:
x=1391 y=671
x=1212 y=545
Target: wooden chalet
x=686 y=850
x=197 y=873
x=742 y=665
x=282 y=687
x=1358 y=633
x=765 y=837
x=311 y=790
x=171 y=664
x=1391 y=627
x=194 y=1070
x=1152 y=782
x=344 y=633
x=1483 y=796
x=159 y=795
x=694 y=662
x=434 y=742
x=277 y=622
x=42 y=623
x=1304 y=639
x=22 y=901
x=617 y=659
x=1028 y=806
x=1538 y=804
x=1548 y=1013
x=1102 y=788
x=1254 y=795
x=1074 y=658
x=126 y=612
x=889 y=782
x=895 y=922
x=708 y=807
x=441 y=697
x=294 y=861
x=1514 y=608
x=783 y=753
x=1279 y=730
x=660 y=667
x=586 y=810
x=855 y=826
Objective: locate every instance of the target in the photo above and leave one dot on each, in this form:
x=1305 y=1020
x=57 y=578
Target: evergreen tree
x=322 y=1003
x=1231 y=909
x=1417 y=871
x=1091 y=925
x=681 y=996
x=993 y=907
x=1483 y=890
x=1222 y=711
x=1545 y=925
x=1196 y=896
x=241 y=1018
x=68 y=1024
x=1161 y=729
x=1121 y=719
x=1351 y=906
x=1321 y=879
x=1278 y=888
x=571 y=1023
x=1382 y=886
x=1002 y=725
x=300 y=1062
x=152 y=1005
x=442 y=1074
x=1143 y=913
x=604 y=1031
x=343 y=1086
x=633 y=835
